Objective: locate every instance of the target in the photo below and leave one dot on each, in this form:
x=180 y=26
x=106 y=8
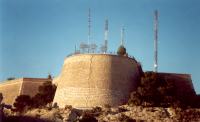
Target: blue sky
x=36 y=36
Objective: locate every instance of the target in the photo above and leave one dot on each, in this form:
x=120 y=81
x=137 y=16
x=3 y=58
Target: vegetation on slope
x=154 y=91
x=11 y=78
x=45 y=95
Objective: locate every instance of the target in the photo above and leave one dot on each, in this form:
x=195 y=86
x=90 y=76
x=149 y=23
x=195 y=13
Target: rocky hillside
x=116 y=114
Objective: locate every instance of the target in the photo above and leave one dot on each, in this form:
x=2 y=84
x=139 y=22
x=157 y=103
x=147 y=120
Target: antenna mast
x=89 y=32
x=106 y=35
x=155 y=39
x=122 y=35
x=75 y=49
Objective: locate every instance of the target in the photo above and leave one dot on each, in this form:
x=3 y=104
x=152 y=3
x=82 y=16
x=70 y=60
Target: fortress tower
x=89 y=80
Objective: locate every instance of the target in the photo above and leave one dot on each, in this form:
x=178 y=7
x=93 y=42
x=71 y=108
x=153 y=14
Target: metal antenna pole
x=122 y=35
x=106 y=35
x=89 y=32
x=75 y=49
x=155 y=40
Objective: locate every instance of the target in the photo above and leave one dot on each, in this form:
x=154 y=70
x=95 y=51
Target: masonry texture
x=183 y=82
x=89 y=80
x=13 y=88
x=55 y=81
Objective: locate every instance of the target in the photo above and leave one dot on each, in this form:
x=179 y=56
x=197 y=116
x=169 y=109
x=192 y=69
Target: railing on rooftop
x=99 y=52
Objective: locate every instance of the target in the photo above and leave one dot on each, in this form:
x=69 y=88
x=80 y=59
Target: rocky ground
x=139 y=114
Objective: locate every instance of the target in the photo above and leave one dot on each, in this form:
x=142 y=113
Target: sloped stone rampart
x=13 y=88
x=30 y=85
x=10 y=90
x=182 y=81
x=89 y=80
x=55 y=80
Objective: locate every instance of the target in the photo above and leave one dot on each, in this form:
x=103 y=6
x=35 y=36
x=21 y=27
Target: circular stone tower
x=89 y=80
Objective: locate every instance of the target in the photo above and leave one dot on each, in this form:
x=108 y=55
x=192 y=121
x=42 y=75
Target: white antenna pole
x=106 y=35
x=89 y=32
x=155 y=40
x=122 y=35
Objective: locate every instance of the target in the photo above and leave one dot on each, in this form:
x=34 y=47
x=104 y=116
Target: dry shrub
x=68 y=107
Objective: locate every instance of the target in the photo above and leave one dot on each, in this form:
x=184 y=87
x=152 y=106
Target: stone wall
x=13 y=88
x=182 y=81
x=30 y=85
x=90 y=80
x=55 y=80
x=10 y=90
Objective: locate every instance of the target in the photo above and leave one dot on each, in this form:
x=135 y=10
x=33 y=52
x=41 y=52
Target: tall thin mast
x=155 y=40
x=75 y=49
x=122 y=35
x=106 y=35
x=89 y=32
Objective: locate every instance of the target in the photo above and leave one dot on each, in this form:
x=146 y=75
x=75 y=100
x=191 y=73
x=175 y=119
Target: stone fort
x=89 y=80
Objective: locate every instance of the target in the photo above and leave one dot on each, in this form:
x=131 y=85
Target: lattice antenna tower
x=106 y=35
x=155 y=40
x=122 y=35
x=89 y=32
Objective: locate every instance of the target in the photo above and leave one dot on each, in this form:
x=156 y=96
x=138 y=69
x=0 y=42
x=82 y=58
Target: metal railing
x=98 y=52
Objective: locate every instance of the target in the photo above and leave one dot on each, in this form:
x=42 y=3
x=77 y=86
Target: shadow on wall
x=125 y=81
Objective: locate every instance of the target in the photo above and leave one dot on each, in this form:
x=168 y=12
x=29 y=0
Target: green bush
x=49 y=76
x=21 y=102
x=154 y=90
x=45 y=95
x=135 y=99
x=11 y=78
x=121 y=50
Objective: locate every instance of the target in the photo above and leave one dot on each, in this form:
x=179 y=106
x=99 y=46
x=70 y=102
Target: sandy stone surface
x=150 y=114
